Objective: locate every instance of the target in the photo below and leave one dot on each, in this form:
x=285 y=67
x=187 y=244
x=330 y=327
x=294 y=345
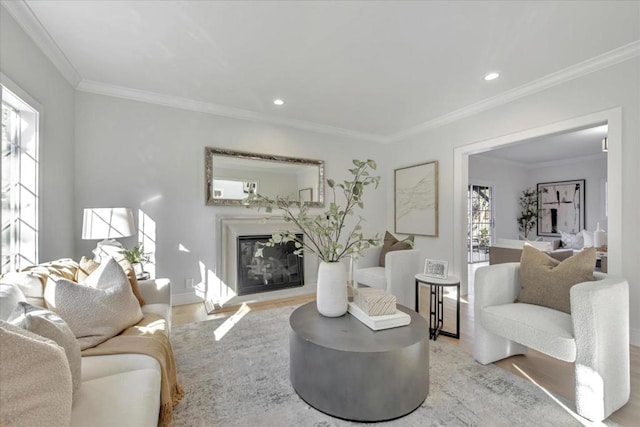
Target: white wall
x=508 y=181
x=616 y=86
x=151 y=158
x=25 y=64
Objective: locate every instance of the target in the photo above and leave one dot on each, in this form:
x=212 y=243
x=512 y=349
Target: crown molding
x=24 y=16
x=218 y=110
x=27 y=20
x=605 y=60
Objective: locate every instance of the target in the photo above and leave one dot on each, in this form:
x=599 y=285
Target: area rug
x=235 y=372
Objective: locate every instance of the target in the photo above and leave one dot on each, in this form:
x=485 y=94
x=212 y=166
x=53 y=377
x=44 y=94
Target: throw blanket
x=148 y=337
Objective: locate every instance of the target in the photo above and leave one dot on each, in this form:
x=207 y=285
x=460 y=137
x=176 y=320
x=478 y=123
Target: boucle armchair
x=397 y=277
x=595 y=336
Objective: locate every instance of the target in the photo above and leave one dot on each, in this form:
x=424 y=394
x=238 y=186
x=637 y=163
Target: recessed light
x=491 y=76
x=278 y=102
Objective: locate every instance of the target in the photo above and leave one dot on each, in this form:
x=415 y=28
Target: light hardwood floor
x=550 y=374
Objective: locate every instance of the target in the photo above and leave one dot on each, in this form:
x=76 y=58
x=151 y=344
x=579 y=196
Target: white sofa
x=397 y=276
x=509 y=250
x=123 y=389
x=595 y=336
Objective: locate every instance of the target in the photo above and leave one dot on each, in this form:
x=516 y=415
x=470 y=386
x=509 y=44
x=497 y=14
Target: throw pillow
x=65 y=267
x=392 y=244
x=546 y=281
x=10 y=296
x=587 y=238
x=29 y=284
x=35 y=378
x=571 y=241
x=97 y=310
x=47 y=324
x=88 y=266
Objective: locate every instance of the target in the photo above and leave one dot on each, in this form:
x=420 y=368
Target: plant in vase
x=529 y=211
x=137 y=258
x=325 y=235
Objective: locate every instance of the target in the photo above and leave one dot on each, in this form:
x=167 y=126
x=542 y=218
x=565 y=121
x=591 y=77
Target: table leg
x=417 y=296
x=440 y=292
x=433 y=307
x=457 y=334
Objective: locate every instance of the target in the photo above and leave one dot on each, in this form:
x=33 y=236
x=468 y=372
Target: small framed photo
x=435 y=268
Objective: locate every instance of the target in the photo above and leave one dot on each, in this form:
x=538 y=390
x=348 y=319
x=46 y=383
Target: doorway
x=611 y=117
x=480 y=221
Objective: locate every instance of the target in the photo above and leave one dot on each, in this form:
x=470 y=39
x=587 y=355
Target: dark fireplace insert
x=278 y=268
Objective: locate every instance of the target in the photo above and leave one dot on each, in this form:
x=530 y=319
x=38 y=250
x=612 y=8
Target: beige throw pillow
x=97 y=310
x=546 y=281
x=35 y=380
x=392 y=244
x=47 y=324
x=88 y=266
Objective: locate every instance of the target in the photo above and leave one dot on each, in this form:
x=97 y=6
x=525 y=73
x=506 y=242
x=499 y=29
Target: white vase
x=331 y=296
x=599 y=237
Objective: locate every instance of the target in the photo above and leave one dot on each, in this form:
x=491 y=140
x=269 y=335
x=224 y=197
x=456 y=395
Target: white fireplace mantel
x=232 y=227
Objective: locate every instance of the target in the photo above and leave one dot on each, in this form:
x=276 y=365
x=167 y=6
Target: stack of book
x=377 y=309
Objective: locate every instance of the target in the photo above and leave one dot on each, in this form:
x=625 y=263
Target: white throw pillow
x=47 y=324
x=98 y=309
x=29 y=283
x=35 y=378
x=10 y=296
x=571 y=241
x=588 y=239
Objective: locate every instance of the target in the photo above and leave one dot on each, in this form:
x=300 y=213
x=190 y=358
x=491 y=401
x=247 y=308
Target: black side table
x=436 y=303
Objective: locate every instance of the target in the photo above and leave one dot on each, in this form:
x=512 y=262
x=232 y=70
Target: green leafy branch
x=324 y=234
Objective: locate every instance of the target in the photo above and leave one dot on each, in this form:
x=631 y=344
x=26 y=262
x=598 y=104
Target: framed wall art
x=561 y=207
x=416 y=199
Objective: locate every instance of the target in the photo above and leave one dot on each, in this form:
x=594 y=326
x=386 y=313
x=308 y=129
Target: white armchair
x=397 y=276
x=595 y=336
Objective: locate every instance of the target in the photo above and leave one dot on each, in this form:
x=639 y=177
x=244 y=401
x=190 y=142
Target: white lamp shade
x=107 y=223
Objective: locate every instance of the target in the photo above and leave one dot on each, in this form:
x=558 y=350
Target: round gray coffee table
x=341 y=367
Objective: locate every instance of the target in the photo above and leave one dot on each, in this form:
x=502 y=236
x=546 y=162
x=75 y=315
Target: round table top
x=449 y=281
x=346 y=333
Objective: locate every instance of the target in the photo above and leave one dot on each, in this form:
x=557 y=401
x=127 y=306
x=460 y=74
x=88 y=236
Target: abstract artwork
x=416 y=199
x=561 y=207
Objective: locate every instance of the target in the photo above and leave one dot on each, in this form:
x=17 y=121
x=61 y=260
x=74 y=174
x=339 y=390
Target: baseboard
x=183 y=299
x=634 y=337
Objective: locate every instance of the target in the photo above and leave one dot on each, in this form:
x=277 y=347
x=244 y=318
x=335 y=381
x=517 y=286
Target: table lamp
x=107 y=224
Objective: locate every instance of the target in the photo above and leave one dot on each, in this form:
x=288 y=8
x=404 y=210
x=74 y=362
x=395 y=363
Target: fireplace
x=224 y=289
x=278 y=268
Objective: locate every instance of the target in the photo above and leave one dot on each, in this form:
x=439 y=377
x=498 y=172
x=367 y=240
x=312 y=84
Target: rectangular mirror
x=232 y=176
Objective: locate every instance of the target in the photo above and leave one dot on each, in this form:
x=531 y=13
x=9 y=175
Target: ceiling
x=373 y=70
x=551 y=149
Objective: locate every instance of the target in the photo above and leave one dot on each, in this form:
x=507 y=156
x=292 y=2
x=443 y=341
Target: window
x=480 y=233
x=19 y=182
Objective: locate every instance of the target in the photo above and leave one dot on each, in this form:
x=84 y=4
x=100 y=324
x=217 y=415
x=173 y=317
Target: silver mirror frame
x=209 y=152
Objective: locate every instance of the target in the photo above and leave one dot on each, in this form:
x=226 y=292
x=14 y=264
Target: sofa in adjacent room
x=509 y=250
x=116 y=388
